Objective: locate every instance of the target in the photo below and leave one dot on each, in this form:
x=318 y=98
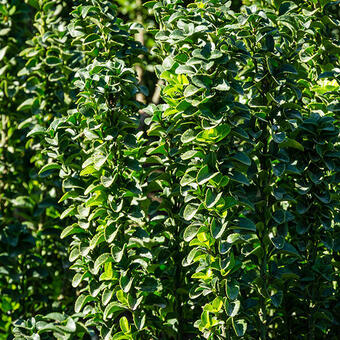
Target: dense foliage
x=33 y=258
x=206 y=210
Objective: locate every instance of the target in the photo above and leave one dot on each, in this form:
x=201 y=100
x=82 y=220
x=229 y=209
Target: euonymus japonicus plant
x=249 y=137
x=219 y=220
x=33 y=278
x=117 y=253
x=12 y=33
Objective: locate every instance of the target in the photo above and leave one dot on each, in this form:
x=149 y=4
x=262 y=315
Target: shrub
x=33 y=261
x=212 y=214
x=252 y=142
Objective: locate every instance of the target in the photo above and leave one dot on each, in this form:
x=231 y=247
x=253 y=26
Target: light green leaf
x=190 y=90
x=103 y=258
x=26 y=105
x=81 y=301
x=190 y=232
x=222 y=86
x=70 y=230
x=89 y=170
x=124 y=324
x=188 y=136
x=214 y=135
x=3 y=52
x=68 y=212
x=190 y=211
x=49 y=166
x=111 y=308
x=37 y=130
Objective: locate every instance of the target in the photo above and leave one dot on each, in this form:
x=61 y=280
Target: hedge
x=169 y=171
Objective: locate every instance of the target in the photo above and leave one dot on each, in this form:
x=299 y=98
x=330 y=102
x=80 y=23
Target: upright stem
x=3 y=146
x=140 y=38
x=264 y=184
x=178 y=284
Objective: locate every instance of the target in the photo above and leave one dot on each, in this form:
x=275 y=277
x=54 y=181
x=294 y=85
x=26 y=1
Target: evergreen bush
x=208 y=210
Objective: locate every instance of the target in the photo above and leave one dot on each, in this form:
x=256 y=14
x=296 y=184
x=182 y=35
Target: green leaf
x=34 y=3
x=291 y=143
x=286 y=68
x=204 y=175
x=242 y=157
x=246 y=224
x=68 y=212
x=53 y=61
x=70 y=230
x=211 y=198
x=111 y=308
x=190 y=232
x=233 y=289
x=184 y=69
x=222 y=86
x=278 y=241
x=111 y=232
x=232 y=308
x=229 y=202
x=90 y=134
x=240 y=327
x=37 y=130
x=240 y=178
x=217 y=229
x=92 y=38
x=125 y=283
x=106 y=296
x=290 y=249
x=190 y=211
x=186 y=179
x=106 y=181
x=214 y=135
x=77 y=278
x=67 y=195
x=286 y=7
x=279 y=137
x=55 y=316
x=205 y=320
x=103 y=258
x=89 y=170
x=139 y=320
x=81 y=301
x=49 y=166
x=190 y=90
x=117 y=253
x=3 y=52
x=277 y=299
x=26 y=105
x=124 y=324
x=188 y=136
x=189 y=154
x=168 y=62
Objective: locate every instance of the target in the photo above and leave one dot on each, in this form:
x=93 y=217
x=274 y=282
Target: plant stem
x=140 y=38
